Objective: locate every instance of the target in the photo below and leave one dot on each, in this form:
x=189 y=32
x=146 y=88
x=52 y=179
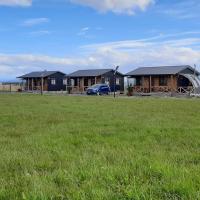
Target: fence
x=10 y=87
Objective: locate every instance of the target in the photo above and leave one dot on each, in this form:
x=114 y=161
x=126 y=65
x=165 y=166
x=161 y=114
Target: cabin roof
x=89 y=73
x=40 y=74
x=162 y=70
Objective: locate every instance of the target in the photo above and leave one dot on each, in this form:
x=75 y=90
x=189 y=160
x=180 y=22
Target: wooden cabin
x=44 y=80
x=181 y=79
x=80 y=80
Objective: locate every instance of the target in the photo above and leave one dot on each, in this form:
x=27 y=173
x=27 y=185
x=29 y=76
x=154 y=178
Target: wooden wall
x=155 y=83
x=81 y=87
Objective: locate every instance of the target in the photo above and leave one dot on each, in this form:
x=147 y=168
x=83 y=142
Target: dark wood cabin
x=181 y=79
x=44 y=80
x=80 y=80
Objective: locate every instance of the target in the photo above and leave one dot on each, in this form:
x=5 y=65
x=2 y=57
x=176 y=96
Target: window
x=117 y=81
x=138 y=81
x=107 y=80
x=64 y=81
x=53 y=81
x=85 y=82
x=163 y=81
x=72 y=82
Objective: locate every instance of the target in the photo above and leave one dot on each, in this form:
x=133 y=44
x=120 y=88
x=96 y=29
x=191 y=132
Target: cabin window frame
x=117 y=81
x=65 y=81
x=53 y=81
x=86 y=82
x=73 y=82
x=138 y=81
x=93 y=81
x=163 y=80
x=107 y=80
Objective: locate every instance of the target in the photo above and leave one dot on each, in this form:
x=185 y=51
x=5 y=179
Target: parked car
x=98 y=89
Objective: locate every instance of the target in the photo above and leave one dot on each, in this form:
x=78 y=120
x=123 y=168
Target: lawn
x=59 y=147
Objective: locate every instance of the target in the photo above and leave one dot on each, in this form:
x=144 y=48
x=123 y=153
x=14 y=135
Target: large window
x=85 y=81
x=65 y=81
x=163 y=81
x=53 y=81
x=107 y=80
x=117 y=81
x=138 y=81
x=131 y=82
x=92 y=81
x=72 y=82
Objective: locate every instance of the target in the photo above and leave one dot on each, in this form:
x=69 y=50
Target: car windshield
x=96 y=86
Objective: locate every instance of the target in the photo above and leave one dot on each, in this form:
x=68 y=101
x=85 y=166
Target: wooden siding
x=152 y=84
x=34 y=84
x=81 y=87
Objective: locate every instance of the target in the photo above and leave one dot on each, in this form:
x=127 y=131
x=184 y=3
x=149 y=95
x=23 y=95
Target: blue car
x=98 y=89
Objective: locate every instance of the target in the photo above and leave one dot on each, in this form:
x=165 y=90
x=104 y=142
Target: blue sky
x=67 y=35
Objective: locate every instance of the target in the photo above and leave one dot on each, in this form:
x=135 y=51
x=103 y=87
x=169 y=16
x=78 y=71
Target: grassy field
x=57 y=147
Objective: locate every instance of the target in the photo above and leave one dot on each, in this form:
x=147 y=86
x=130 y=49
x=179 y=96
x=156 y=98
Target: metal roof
x=40 y=74
x=163 y=70
x=89 y=73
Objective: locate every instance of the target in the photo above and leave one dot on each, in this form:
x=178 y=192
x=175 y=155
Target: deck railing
x=141 y=89
x=77 y=89
x=35 y=88
x=152 y=89
x=186 y=90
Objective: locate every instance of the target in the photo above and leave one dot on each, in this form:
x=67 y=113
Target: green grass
x=57 y=147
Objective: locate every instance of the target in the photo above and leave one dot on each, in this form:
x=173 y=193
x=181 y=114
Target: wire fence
x=11 y=87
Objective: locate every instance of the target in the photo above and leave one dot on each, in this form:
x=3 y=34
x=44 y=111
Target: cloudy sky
x=67 y=35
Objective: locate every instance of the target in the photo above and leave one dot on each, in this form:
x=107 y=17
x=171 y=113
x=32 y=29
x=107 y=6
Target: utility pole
x=42 y=80
x=115 y=72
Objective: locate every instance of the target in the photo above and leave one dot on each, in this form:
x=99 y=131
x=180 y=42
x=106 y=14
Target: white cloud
x=35 y=21
x=40 y=33
x=12 y=66
x=146 y=56
x=159 y=40
x=116 y=6
x=83 y=31
x=127 y=54
x=15 y=2
x=158 y=50
x=182 y=10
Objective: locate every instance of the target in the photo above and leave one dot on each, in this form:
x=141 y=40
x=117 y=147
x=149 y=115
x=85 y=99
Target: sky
x=68 y=35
